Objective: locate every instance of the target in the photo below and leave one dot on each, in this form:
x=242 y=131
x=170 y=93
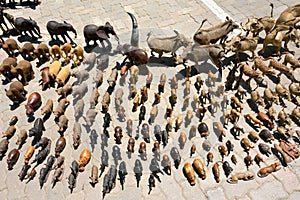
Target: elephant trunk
x=74 y=31
x=117 y=38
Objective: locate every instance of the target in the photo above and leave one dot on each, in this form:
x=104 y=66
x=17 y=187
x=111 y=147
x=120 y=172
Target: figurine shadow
x=76 y=99
x=5 y=82
x=93 y=139
x=227 y=61
x=30 y=118
x=217 y=132
x=142 y=156
x=92 y=184
x=296 y=139
x=27 y=38
x=281 y=160
x=102 y=50
x=36 y=139
x=14 y=106
x=28 y=4
x=278 y=136
x=273 y=78
x=195 y=70
x=46 y=116
x=271 y=51
x=252 y=125
x=166 y=61
x=252 y=105
x=55 y=42
x=143 y=70
x=296 y=121
x=87 y=127
x=2 y=156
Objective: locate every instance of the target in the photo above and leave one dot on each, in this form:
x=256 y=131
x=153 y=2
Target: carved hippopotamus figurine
x=33 y=102
x=85 y=157
x=12 y=158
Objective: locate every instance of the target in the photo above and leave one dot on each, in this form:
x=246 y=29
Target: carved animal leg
x=108 y=43
x=152 y=54
x=159 y=56
x=52 y=38
x=64 y=38
x=24 y=77
x=72 y=42
x=87 y=42
x=2 y=28
x=31 y=34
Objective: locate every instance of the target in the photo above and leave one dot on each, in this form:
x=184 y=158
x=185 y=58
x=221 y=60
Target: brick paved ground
x=161 y=17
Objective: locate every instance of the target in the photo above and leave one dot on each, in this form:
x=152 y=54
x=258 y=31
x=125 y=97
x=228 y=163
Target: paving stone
x=217 y=193
x=286 y=177
x=236 y=192
x=14 y=186
x=3 y=193
x=294 y=196
x=269 y=190
x=171 y=190
x=76 y=195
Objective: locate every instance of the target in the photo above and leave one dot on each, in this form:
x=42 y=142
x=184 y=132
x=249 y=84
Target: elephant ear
x=101 y=34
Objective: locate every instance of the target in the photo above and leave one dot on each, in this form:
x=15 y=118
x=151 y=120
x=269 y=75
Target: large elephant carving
x=56 y=28
x=101 y=33
x=23 y=25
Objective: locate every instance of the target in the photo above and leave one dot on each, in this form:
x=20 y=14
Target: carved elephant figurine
x=56 y=28
x=42 y=52
x=77 y=55
x=10 y=46
x=101 y=33
x=6 y=66
x=23 y=25
x=23 y=68
x=16 y=92
x=27 y=51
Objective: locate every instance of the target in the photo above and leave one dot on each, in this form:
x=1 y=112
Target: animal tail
x=272 y=7
x=148 y=35
x=201 y=25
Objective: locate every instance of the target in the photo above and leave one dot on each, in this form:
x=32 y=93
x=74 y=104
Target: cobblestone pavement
x=161 y=17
